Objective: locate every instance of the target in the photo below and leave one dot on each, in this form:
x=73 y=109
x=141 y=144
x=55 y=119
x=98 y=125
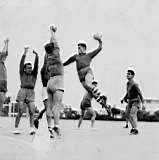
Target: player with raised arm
x=83 y=61
x=55 y=85
x=26 y=94
x=3 y=74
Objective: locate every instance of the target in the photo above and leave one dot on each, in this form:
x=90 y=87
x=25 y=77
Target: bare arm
x=4 y=52
x=22 y=61
x=36 y=63
x=96 y=51
x=53 y=38
x=43 y=70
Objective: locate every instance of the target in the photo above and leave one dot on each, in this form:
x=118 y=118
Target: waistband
x=59 y=75
x=84 y=69
x=131 y=101
x=27 y=87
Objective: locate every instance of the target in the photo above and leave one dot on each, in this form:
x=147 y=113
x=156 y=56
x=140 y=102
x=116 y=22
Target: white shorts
x=44 y=94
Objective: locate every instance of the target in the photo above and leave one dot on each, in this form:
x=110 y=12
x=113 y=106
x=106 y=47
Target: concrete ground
x=108 y=141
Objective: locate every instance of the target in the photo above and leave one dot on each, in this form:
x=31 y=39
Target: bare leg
x=31 y=113
x=57 y=103
x=49 y=107
x=20 y=113
x=2 y=99
x=127 y=112
x=81 y=118
x=87 y=84
x=91 y=110
x=133 y=116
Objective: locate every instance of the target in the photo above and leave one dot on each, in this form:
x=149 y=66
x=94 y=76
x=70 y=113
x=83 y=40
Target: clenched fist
x=53 y=28
x=6 y=40
x=97 y=37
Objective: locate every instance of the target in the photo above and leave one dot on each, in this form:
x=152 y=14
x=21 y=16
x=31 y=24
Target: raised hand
x=97 y=37
x=26 y=49
x=121 y=101
x=34 y=52
x=6 y=40
x=53 y=28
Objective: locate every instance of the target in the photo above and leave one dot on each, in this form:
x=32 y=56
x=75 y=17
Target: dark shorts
x=85 y=104
x=3 y=86
x=2 y=97
x=26 y=95
x=83 y=72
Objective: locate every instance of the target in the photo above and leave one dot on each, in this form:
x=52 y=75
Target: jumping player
x=134 y=99
x=3 y=74
x=26 y=94
x=55 y=85
x=83 y=61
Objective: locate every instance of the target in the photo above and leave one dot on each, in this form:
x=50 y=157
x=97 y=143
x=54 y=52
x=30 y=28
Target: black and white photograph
x=79 y=79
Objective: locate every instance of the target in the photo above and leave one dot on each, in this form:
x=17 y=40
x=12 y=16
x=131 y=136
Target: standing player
x=83 y=61
x=26 y=94
x=3 y=74
x=86 y=106
x=134 y=99
x=55 y=85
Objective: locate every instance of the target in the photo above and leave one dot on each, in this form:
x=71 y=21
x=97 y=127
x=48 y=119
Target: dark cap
x=83 y=44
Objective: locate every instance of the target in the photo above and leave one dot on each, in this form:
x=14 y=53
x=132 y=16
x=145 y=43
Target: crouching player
x=86 y=106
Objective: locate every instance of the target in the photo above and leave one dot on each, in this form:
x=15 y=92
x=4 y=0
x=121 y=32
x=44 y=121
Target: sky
x=129 y=29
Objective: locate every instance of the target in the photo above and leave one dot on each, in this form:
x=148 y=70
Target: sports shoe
x=51 y=132
x=16 y=131
x=36 y=123
x=57 y=131
x=32 y=131
x=134 y=131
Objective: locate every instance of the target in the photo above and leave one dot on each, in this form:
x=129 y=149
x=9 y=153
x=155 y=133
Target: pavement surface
x=109 y=140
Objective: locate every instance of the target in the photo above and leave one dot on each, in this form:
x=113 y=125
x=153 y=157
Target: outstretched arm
x=43 y=69
x=4 y=52
x=53 y=39
x=21 y=67
x=70 y=60
x=43 y=72
x=96 y=51
x=36 y=63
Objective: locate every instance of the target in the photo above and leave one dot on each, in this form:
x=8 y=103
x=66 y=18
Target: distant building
x=151 y=104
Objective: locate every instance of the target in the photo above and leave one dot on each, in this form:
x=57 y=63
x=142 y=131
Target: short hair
x=49 y=47
x=27 y=63
x=131 y=72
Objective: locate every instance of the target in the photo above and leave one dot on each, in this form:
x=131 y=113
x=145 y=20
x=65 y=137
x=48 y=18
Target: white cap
x=81 y=42
x=26 y=46
x=131 y=69
x=28 y=62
